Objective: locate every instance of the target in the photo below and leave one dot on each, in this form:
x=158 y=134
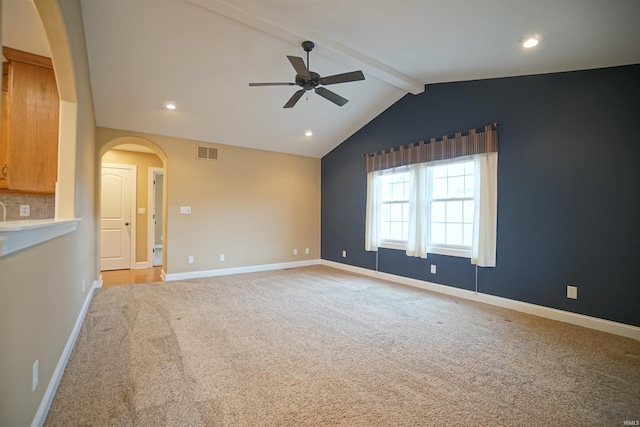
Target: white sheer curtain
x=485 y=221
x=372 y=215
x=418 y=211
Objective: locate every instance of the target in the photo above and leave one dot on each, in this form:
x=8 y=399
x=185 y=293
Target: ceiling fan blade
x=331 y=96
x=298 y=64
x=273 y=84
x=342 y=78
x=296 y=96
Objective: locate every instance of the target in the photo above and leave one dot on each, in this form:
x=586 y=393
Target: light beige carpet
x=317 y=346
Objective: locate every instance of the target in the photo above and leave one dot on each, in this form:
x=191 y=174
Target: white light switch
x=185 y=209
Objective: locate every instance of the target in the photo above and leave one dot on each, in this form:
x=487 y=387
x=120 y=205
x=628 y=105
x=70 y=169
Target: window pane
x=385 y=193
x=439 y=171
x=467 y=238
x=385 y=230
x=468 y=186
x=398 y=191
x=439 y=188
x=396 y=231
x=385 y=179
x=468 y=211
x=468 y=168
x=385 y=215
x=454 y=234
x=405 y=212
x=438 y=210
x=438 y=233
x=456 y=169
x=454 y=211
x=396 y=212
x=456 y=187
x=406 y=190
x=405 y=231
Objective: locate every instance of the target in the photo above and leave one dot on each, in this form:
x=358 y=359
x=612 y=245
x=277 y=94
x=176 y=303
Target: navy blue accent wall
x=568 y=187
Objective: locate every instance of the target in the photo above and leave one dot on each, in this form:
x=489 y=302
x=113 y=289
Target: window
x=451 y=205
x=444 y=207
x=436 y=197
x=394 y=205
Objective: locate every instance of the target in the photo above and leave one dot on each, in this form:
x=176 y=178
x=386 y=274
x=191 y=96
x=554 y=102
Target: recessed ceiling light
x=531 y=41
x=170 y=105
x=308 y=133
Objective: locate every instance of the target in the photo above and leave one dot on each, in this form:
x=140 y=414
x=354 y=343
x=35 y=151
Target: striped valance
x=447 y=147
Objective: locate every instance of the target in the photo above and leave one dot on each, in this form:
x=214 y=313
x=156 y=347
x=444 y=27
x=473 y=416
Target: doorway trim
x=134 y=198
x=151 y=232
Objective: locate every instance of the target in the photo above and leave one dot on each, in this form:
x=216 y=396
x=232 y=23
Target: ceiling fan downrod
x=308 y=47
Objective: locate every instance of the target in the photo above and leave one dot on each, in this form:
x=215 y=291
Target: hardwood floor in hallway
x=131 y=277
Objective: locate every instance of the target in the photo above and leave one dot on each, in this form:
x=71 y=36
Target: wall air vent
x=207 y=153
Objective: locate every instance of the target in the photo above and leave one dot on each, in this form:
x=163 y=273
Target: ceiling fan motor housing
x=308 y=83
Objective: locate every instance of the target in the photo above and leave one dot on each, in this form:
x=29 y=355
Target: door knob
x=126 y=223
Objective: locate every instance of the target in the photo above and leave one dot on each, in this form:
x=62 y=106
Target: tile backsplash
x=40 y=206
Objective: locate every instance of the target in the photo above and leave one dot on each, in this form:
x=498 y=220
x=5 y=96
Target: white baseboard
x=524 y=307
x=237 y=270
x=50 y=392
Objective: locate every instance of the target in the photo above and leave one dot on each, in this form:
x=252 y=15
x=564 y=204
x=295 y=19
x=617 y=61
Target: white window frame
x=437 y=249
x=444 y=249
x=390 y=243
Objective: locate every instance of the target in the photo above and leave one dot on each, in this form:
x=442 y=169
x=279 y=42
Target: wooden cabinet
x=30 y=115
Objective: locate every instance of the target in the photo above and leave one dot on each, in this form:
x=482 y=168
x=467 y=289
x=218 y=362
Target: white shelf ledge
x=18 y=235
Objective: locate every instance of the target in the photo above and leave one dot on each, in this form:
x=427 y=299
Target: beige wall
x=41 y=287
x=253 y=206
x=143 y=161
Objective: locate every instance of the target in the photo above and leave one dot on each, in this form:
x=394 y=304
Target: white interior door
x=115 y=217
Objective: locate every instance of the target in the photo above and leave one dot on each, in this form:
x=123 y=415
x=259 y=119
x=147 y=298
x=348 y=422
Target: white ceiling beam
x=335 y=50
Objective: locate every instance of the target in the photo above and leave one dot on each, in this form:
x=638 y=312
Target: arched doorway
x=132 y=225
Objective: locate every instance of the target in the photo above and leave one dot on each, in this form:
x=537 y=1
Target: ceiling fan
x=308 y=80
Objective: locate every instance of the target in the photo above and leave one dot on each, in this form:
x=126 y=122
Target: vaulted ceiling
x=203 y=53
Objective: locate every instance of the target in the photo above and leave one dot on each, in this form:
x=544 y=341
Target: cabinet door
x=32 y=137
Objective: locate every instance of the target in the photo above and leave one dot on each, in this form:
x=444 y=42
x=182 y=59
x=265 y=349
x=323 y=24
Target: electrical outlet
x=25 y=210
x=295 y=252
x=572 y=292
x=306 y=251
x=34 y=375
x=344 y=254
x=185 y=209
x=142 y=211
x=221 y=257
x=190 y=259
x=433 y=269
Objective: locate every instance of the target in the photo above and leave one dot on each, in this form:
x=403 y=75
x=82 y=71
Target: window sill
x=18 y=235
x=436 y=250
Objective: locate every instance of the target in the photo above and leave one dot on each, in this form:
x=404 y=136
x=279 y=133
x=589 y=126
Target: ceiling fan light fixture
x=531 y=41
x=170 y=105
